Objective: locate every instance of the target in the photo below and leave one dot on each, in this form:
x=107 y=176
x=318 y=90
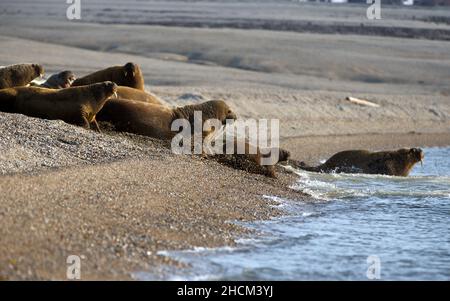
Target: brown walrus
x=138 y=95
x=129 y=75
x=19 y=75
x=59 y=80
x=393 y=163
x=155 y=120
x=251 y=160
x=76 y=105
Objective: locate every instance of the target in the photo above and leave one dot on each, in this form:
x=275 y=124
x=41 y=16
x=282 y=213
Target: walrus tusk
x=421 y=163
x=115 y=94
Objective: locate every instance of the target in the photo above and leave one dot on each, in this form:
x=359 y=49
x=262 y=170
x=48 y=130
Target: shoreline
x=118 y=215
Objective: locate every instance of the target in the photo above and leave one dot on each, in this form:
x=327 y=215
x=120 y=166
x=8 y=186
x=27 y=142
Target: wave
x=327 y=187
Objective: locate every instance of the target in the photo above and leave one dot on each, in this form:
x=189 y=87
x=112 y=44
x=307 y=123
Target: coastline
x=117 y=215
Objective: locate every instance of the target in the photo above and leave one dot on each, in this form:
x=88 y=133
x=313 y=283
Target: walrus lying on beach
x=129 y=75
x=155 y=120
x=251 y=161
x=138 y=95
x=59 y=80
x=19 y=75
x=393 y=163
x=76 y=105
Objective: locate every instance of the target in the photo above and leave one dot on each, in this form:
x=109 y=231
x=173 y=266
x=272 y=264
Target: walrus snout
x=110 y=88
x=68 y=77
x=130 y=68
x=284 y=155
x=230 y=115
x=418 y=154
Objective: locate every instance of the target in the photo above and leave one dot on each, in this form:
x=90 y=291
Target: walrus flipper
x=85 y=123
x=96 y=126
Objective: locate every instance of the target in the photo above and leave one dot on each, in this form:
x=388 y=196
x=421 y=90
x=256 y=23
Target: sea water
x=358 y=227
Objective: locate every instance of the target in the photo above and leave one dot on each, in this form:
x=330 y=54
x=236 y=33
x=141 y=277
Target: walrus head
x=66 y=79
x=132 y=76
x=60 y=80
x=223 y=111
x=413 y=155
x=416 y=155
x=213 y=109
x=129 y=69
x=103 y=91
x=38 y=69
x=405 y=159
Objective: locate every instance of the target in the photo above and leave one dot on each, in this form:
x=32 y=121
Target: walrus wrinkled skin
x=129 y=75
x=392 y=163
x=60 y=80
x=250 y=160
x=76 y=105
x=155 y=120
x=19 y=75
x=137 y=95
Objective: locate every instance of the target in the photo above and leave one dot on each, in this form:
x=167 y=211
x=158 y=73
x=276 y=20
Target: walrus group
x=117 y=95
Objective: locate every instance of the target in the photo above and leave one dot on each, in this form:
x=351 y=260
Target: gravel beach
x=114 y=200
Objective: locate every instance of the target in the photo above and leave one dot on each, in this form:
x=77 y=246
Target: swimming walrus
x=129 y=75
x=19 y=75
x=59 y=80
x=393 y=163
x=76 y=105
x=154 y=120
x=138 y=95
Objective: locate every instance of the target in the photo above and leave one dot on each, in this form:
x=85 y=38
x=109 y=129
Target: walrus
x=154 y=120
x=19 y=75
x=392 y=163
x=129 y=75
x=59 y=80
x=124 y=92
x=75 y=105
x=251 y=161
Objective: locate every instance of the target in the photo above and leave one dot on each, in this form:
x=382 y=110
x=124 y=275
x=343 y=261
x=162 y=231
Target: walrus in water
x=393 y=163
x=19 y=75
x=251 y=158
x=76 y=105
x=129 y=75
x=59 y=80
x=154 y=120
x=137 y=95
